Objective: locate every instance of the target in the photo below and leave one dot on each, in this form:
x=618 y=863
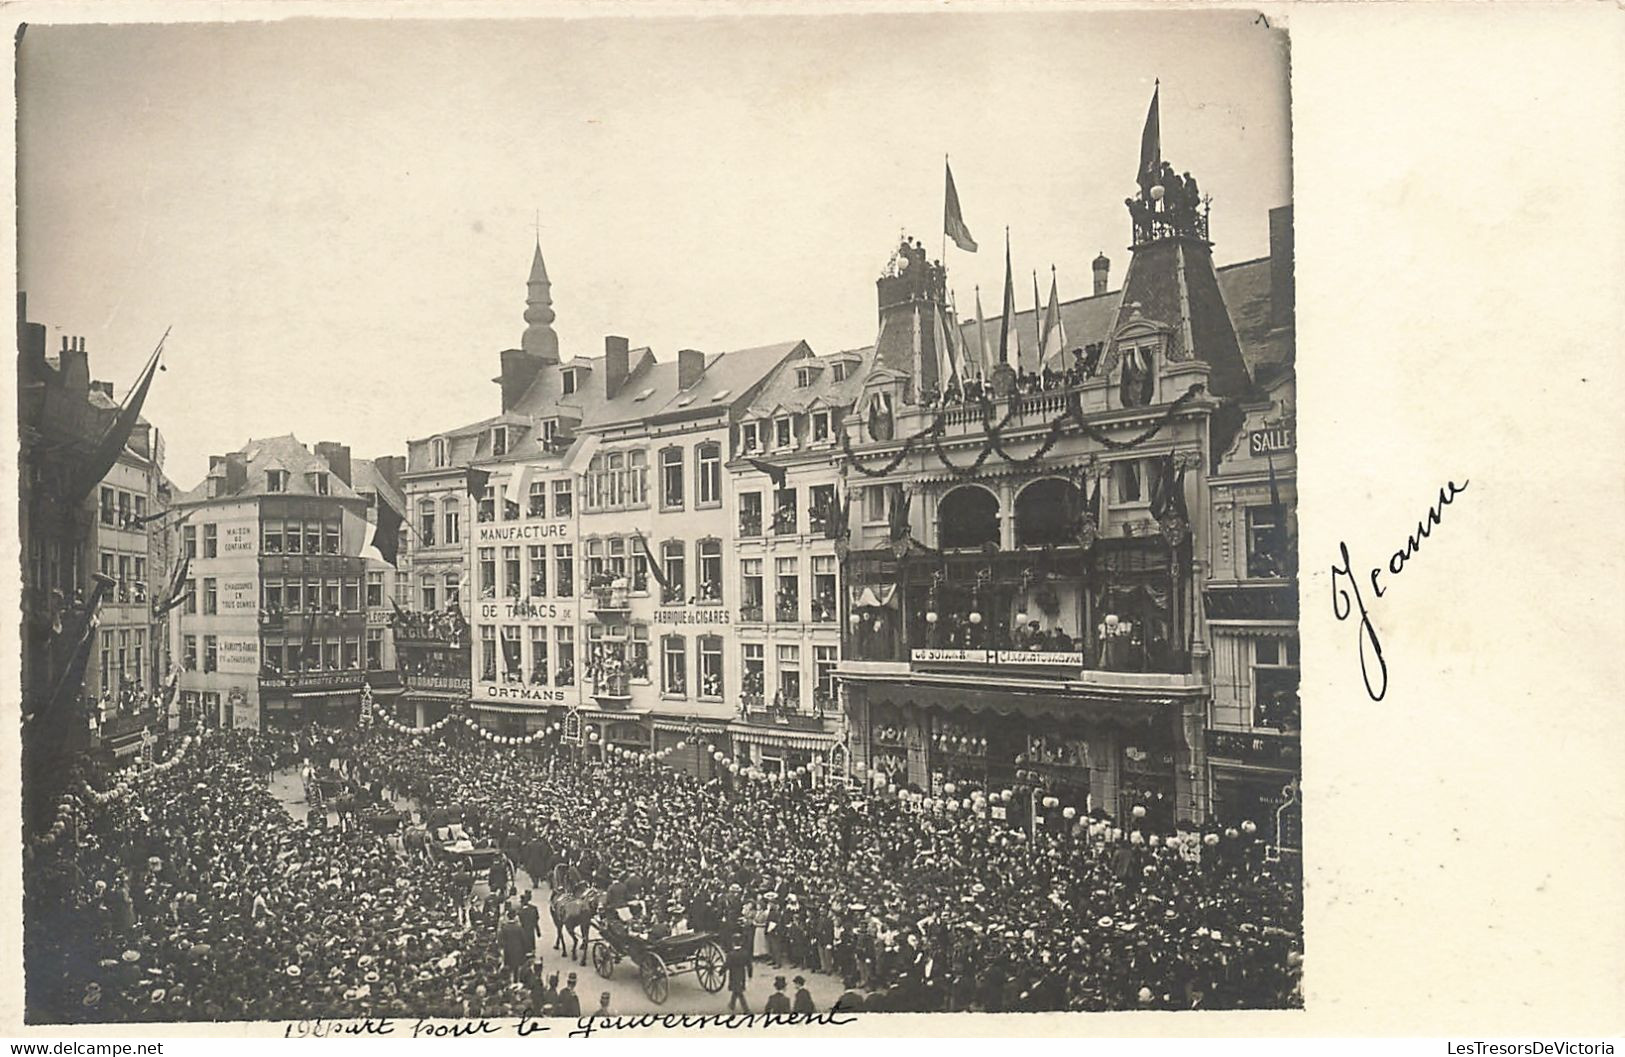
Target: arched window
x=426 y=522
x=968 y=516
x=1047 y=512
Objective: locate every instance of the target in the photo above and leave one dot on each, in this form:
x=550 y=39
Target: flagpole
x=943 y=260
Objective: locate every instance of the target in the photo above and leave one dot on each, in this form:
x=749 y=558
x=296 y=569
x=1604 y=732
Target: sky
x=337 y=217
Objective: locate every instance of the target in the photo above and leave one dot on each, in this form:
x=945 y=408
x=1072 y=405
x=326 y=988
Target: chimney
x=75 y=365
x=337 y=456
x=236 y=472
x=1282 y=291
x=519 y=370
x=30 y=341
x=617 y=364
x=390 y=468
x=690 y=366
x=1103 y=269
x=104 y=388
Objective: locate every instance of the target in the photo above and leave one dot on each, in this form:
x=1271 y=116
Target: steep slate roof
x=1245 y=287
x=365 y=479
x=780 y=391
x=281 y=453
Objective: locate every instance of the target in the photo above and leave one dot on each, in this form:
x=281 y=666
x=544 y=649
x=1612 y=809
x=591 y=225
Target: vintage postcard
x=607 y=521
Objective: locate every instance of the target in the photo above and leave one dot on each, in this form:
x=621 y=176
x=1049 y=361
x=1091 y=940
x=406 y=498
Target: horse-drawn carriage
x=661 y=959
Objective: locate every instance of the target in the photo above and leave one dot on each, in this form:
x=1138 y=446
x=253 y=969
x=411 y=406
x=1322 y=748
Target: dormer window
x=568 y=380
x=750 y=437
x=805 y=376
x=881 y=425
x=276 y=480
x=550 y=429
x=439 y=453
x=837 y=373
x=820 y=426
x=499 y=440
x=783 y=434
x=1138 y=382
x=320 y=481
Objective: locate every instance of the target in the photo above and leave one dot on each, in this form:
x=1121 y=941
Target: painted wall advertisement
x=239 y=654
x=241 y=539
x=239 y=595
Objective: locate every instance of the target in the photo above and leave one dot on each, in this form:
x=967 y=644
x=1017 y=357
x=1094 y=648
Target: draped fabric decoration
x=898 y=511
x=872 y=596
x=1073 y=415
x=1089 y=520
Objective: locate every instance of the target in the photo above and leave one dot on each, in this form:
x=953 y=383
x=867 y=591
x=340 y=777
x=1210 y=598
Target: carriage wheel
x=603 y=958
x=653 y=974
x=709 y=965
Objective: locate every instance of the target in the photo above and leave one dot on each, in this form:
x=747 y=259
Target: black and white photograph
x=769 y=517
x=827 y=608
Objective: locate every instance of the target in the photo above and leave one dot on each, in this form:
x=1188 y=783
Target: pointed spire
x=539 y=338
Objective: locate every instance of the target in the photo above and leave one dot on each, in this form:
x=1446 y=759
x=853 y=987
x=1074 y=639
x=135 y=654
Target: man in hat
x=569 y=1003
x=803 y=1001
x=739 y=971
x=778 y=1001
x=515 y=955
x=530 y=922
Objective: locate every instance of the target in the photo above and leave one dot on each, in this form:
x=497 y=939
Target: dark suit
x=803 y=1002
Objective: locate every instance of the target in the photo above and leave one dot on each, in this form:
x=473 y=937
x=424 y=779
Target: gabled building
x=1027 y=553
x=276 y=629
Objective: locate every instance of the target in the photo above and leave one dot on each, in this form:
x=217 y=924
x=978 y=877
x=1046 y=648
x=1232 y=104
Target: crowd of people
x=199 y=897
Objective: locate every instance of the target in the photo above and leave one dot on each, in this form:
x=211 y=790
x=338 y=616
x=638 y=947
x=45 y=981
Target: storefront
x=1255 y=780
x=784 y=752
x=689 y=742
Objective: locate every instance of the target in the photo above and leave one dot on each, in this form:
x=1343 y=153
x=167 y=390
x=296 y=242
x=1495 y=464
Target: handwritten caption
x=526 y=1025
x=1372 y=667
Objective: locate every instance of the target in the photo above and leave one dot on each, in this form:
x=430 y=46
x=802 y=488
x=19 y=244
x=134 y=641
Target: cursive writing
x=1346 y=596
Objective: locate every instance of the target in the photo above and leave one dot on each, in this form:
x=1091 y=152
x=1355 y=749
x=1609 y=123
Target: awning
x=1125 y=710
x=783 y=739
x=356 y=693
x=709 y=726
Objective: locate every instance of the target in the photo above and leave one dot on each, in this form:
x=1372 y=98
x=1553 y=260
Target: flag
x=956 y=342
x=654 y=567
x=953 y=221
x=776 y=473
x=1054 y=332
x=1151 y=145
x=1038 y=322
x=946 y=370
x=477 y=482
x=383 y=542
x=72 y=679
x=111 y=443
x=984 y=366
x=518 y=481
x=176 y=593
x=1009 y=340
x=898 y=513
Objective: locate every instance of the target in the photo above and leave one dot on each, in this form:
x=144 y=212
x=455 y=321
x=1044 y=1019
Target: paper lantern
x=1139 y=811
x=1249 y=828
x=975 y=617
x=1211 y=839
x=709 y=747
x=1157 y=192
x=965 y=803
x=878 y=624
x=1153 y=840
x=949 y=788
x=715 y=755
x=1232 y=833
x=1069 y=812
x=855 y=619
x=1050 y=802
x=1021 y=617
x=681 y=746
x=931 y=616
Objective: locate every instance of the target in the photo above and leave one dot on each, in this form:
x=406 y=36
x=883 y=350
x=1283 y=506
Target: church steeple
x=539 y=339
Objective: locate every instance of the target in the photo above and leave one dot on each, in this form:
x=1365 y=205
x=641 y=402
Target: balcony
x=750 y=523
x=786 y=718
x=613 y=689
x=1259 y=748
x=823 y=610
x=443 y=627
x=609 y=603
x=784 y=521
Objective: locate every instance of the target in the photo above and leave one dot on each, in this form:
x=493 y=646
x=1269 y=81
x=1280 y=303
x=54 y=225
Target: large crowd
x=199 y=897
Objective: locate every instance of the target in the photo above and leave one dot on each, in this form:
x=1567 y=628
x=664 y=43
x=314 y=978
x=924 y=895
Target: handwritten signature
x=1372 y=666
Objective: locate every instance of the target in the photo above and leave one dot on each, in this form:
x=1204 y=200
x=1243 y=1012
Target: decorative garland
x=995 y=441
x=383 y=717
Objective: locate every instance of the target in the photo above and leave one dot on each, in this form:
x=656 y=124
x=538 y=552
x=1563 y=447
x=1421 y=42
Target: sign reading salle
x=1272 y=441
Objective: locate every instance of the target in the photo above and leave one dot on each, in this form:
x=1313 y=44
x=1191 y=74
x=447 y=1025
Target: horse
x=572 y=914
